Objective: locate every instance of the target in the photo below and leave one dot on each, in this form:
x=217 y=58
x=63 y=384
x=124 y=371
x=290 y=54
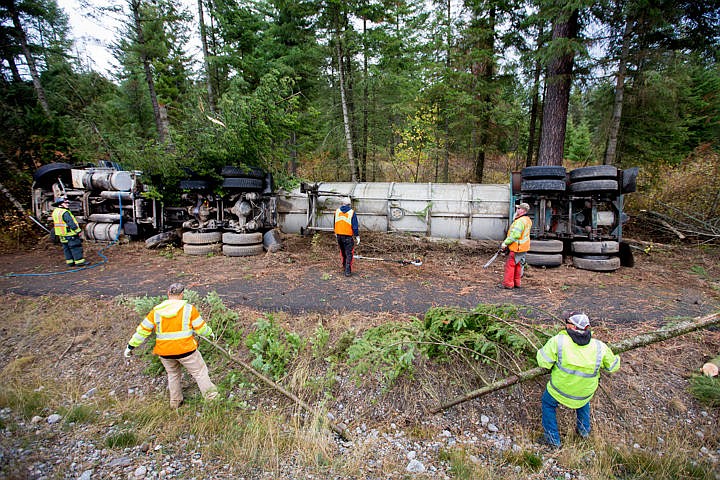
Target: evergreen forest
x=361 y=90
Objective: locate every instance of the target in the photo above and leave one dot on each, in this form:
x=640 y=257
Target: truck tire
x=242 y=250
x=595 y=248
x=243 y=183
x=195 y=185
x=201 y=238
x=597 y=264
x=549 y=172
x=595 y=172
x=242 y=171
x=48 y=174
x=546 y=246
x=544 y=259
x=542 y=185
x=594 y=186
x=201 y=249
x=230 y=238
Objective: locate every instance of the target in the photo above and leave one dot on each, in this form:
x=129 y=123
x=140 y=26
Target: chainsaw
x=417 y=262
x=492 y=259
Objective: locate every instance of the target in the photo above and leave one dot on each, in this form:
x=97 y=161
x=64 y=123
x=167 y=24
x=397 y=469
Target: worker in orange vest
x=346 y=227
x=518 y=242
x=175 y=323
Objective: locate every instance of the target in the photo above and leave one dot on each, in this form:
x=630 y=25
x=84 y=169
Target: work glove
x=503 y=246
x=357 y=240
x=128 y=352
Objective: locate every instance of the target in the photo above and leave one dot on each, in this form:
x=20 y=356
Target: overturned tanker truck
x=577 y=215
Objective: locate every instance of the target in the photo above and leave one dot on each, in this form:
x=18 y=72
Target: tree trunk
x=206 y=58
x=445 y=171
x=535 y=103
x=161 y=127
x=487 y=70
x=611 y=151
x=20 y=33
x=620 y=347
x=346 y=117
x=558 y=83
x=366 y=100
x=712 y=367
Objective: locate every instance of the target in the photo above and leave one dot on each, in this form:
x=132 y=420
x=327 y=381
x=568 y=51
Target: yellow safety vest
x=61 y=228
x=575 y=368
x=522 y=226
x=343 y=222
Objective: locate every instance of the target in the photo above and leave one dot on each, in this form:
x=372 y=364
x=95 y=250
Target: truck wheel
x=195 y=185
x=595 y=172
x=594 y=186
x=595 y=248
x=542 y=185
x=242 y=250
x=242 y=172
x=161 y=239
x=597 y=264
x=549 y=171
x=230 y=238
x=48 y=174
x=243 y=183
x=201 y=238
x=201 y=249
x=546 y=246
x=544 y=259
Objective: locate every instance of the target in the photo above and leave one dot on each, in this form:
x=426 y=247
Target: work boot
x=348 y=273
x=500 y=285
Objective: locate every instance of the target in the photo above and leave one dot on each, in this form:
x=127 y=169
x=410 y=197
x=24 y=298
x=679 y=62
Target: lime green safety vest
x=575 y=368
x=62 y=229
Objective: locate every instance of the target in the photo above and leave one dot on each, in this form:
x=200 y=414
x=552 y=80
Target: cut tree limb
x=619 y=347
x=711 y=368
x=339 y=429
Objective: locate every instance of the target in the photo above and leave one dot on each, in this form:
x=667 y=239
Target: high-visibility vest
x=521 y=226
x=62 y=229
x=174 y=324
x=575 y=368
x=343 y=222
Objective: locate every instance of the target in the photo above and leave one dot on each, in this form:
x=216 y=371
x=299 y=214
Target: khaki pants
x=195 y=365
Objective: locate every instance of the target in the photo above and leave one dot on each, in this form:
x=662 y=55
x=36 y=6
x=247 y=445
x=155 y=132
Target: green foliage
x=273 y=347
x=644 y=464
x=525 y=459
x=706 y=389
x=486 y=330
x=319 y=341
x=461 y=466
x=389 y=349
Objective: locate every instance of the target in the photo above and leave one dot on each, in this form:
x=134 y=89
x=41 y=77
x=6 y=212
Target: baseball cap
x=346 y=201
x=524 y=206
x=580 y=320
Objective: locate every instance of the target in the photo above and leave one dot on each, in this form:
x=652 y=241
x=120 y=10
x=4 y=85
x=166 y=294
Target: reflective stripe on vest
x=567 y=395
x=598 y=360
x=343 y=222
x=522 y=244
x=61 y=228
x=184 y=333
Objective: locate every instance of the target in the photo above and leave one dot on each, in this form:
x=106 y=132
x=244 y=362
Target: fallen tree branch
x=342 y=432
x=619 y=347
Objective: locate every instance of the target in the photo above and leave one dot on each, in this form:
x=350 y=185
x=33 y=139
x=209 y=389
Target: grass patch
x=461 y=466
x=706 y=389
x=641 y=464
x=526 y=459
x=122 y=439
x=80 y=414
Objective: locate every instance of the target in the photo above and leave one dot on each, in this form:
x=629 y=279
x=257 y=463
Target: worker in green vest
x=575 y=359
x=67 y=230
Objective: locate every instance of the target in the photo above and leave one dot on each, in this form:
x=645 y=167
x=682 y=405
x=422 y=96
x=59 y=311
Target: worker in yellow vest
x=575 y=359
x=175 y=323
x=67 y=230
x=346 y=227
x=518 y=242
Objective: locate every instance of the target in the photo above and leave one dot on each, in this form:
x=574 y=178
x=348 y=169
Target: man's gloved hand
x=503 y=246
x=357 y=240
x=128 y=352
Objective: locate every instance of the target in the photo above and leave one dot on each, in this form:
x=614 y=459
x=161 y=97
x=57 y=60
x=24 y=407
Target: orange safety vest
x=522 y=244
x=343 y=222
x=174 y=322
x=61 y=228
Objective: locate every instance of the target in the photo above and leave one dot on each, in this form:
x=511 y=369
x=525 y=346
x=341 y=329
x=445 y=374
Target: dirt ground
x=665 y=283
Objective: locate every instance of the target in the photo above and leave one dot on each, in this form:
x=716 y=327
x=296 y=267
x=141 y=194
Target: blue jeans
x=549 y=419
